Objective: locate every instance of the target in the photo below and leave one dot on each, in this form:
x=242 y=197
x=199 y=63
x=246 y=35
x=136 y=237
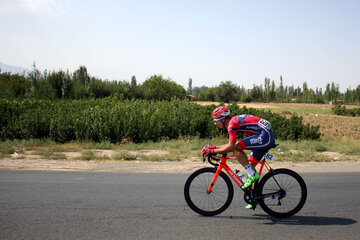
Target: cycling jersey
x=248 y=124
x=261 y=136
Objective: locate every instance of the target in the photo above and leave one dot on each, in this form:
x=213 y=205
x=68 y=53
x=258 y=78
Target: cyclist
x=260 y=140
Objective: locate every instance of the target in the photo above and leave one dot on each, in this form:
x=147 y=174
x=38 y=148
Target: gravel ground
x=161 y=167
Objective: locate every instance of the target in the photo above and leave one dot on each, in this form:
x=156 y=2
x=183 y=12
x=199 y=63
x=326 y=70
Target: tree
x=281 y=89
x=272 y=92
x=334 y=92
x=44 y=90
x=256 y=93
x=13 y=86
x=298 y=94
x=133 y=82
x=34 y=77
x=100 y=89
x=305 y=93
x=357 y=94
x=158 y=88
x=135 y=90
x=210 y=95
x=189 y=91
x=267 y=89
x=57 y=81
x=226 y=92
x=81 y=76
x=328 y=93
x=66 y=85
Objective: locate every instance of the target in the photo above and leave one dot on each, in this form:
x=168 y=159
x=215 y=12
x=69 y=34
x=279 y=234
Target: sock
x=249 y=170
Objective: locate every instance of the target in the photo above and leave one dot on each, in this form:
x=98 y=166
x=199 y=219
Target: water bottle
x=241 y=176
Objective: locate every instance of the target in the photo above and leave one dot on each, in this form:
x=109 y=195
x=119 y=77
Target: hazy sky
x=317 y=41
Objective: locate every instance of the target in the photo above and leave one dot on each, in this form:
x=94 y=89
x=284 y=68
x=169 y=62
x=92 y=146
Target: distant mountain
x=13 y=69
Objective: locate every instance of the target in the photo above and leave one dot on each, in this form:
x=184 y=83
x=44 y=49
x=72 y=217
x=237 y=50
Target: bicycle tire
x=286 y=202
x=196 y=196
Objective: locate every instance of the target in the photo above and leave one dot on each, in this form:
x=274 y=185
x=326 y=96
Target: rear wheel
x=202 y=202
x=283 y=193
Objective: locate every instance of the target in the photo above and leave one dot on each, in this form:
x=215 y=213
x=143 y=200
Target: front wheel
x=202 y=202
x=283 y=193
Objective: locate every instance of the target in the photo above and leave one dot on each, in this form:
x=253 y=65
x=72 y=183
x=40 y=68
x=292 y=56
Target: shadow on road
x=313 y=221
x=300 y=220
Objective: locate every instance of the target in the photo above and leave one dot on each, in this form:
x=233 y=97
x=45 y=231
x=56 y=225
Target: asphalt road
x=93 y=205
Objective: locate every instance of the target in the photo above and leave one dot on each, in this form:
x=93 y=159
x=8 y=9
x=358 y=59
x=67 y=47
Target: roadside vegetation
x=339 y=141
x=139 y=121
x=342 y=110
x=61 y=115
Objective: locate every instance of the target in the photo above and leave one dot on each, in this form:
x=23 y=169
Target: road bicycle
x=280 y=192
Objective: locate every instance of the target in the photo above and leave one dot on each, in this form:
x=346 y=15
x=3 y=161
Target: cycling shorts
x=258 y=144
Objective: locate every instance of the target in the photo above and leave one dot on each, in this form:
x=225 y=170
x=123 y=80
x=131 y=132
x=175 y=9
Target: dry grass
x=335 y=126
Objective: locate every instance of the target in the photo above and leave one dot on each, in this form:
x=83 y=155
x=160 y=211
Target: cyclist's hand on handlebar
x=209 y=146
x=208 y=151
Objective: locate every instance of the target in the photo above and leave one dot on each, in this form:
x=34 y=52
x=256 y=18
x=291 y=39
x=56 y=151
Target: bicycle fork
x=216 y=175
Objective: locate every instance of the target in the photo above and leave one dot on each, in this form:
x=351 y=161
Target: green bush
x=342 y=110
x=114 y=120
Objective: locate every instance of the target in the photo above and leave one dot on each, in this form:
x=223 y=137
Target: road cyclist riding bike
x=260 y=140
x=209 y=191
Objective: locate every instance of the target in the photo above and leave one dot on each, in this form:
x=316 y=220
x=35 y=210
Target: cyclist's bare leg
x=241 y=156
x=253 y=165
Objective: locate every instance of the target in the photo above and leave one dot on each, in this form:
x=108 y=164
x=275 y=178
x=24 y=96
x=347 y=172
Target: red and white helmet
x=220 y=112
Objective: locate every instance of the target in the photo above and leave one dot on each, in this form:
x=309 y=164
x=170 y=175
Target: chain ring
x=247 y=198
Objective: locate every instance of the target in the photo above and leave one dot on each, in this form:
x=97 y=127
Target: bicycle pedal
x=251 y=206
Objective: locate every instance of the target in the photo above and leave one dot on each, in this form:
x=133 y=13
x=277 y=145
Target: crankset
x=247 y=198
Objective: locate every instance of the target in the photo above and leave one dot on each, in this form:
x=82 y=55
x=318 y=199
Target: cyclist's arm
x=221 y=146
x=229 y=147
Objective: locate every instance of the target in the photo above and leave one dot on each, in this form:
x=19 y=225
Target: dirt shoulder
x=185 y=166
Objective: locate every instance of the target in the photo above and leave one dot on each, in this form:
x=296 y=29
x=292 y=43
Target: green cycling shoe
x=249 y=206
x=251 y=180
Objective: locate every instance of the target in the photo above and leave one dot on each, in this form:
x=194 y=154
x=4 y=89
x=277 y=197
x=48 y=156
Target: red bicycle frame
x=223 y=165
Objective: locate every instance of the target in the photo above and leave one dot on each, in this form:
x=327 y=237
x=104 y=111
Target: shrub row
x=342 y=110
x=136 y=120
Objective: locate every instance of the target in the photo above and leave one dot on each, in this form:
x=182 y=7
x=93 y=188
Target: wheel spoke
x=205 y=203
x=289 y=193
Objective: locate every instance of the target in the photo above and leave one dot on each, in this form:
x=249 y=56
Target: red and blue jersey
x=248 y=124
